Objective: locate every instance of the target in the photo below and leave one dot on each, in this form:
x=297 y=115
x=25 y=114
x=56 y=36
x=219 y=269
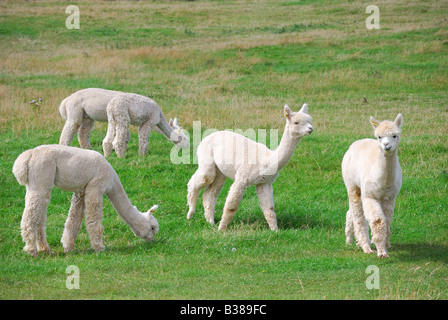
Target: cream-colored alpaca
x=88 y=175
x=227 y=154
x=129 y=108
x=372 y=176
x=82 y=109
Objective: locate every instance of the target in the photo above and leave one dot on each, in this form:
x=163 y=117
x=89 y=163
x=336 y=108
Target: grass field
x=233 y=65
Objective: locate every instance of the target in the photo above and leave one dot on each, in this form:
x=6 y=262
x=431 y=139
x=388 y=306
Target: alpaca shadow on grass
x=419 y=251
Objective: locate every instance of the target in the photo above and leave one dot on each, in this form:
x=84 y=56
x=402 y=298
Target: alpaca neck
x=164 y=127
x=117 y=196
x=284 y=151
x=387 y=166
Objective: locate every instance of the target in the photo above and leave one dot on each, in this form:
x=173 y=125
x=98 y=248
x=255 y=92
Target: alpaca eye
x=296 y=122
x=379 y=138
x=395 y=137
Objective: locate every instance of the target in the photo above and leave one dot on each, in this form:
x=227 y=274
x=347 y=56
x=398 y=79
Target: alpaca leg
x=388 y=209
x=233 y=201
x=84 y=133
x=42 y=244
x=349 y=228
x=360 y=225
x=201 y=179
x=377 y=220
x=265 y=194
x=122 y=137
x=143 y=135
x=36 y=204
x=73 y=223
x=108 y=140
x=68 y=132
x=210 y=196
x=94 y=217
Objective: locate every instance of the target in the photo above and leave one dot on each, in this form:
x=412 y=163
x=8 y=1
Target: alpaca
x=88 y=175
x=227 y=154
x=129 y=108
x=372 y=176
x=82 y=109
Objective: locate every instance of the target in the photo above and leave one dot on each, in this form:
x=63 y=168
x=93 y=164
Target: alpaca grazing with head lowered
x=372 y=176
x=133 y=109
x=88 y=175
x=227 y=154
x=82 y=108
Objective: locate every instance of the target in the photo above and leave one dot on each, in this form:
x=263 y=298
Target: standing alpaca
x=129 y=108
x=227 y=154
x=372 y=176
x=81 y=109
x=89 y=176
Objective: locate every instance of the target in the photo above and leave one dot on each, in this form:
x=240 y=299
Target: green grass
x=233 y=65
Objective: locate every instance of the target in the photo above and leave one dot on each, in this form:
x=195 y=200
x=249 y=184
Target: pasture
x=233 y=64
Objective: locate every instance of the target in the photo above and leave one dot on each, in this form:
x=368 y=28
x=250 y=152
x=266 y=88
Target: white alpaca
x=88 y=175
x=227 y=154
x=372 y=176
x=129 y=108
x=82 y=109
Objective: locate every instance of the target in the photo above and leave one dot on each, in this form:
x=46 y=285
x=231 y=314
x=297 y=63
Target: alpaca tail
x=62 y=109
x=20 y=168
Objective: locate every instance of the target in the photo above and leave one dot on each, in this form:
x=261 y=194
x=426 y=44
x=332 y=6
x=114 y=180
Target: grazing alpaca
x=227 y=154
x=88 y=175
x=372 y=176
x=81 y=110
x=129 y=108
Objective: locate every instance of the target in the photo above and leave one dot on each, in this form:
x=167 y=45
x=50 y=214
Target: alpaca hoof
x=190 y=214
x=367 y=250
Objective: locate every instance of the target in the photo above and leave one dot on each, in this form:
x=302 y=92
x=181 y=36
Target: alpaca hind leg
x=68 y=132
x=36 y=204
x=108 y=140
x=94 y=217
x=143 y=135
x=73 y=223
x=201 y=179
x=210 y=196
x=265 y=194
x=84 y=133
x=377 y=221
x=233 y=201
x=122 y=136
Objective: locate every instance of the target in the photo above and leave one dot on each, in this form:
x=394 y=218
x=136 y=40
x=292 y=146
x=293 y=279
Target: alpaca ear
x=175 y=122
x=399 y=120
x=287 y=111
x=304 y=108
x=153 y=209
x=375 y=123
x=171 y=122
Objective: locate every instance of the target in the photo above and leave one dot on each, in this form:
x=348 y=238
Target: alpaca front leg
x=265 y=194
x=109 y=139
x=349 y=228
x=73 y=223
x=210 y=197
x=143 y=135
x=32 y=219
x=375 y=216
x=84 y=133
x=360 y=226
x=388 y=209
x=94 y=217
x=233 y=201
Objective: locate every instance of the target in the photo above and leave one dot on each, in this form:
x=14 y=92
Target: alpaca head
x=388 y=133
x=298 y=123
x=177 y=136
x=149 y=229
